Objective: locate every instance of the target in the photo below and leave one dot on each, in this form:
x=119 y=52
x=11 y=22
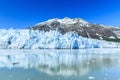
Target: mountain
x=80 y=27
x=61 y=34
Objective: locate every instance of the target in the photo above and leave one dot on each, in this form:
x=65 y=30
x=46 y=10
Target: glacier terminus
x=35 y=39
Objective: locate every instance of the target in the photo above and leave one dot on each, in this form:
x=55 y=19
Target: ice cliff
x=35 y=39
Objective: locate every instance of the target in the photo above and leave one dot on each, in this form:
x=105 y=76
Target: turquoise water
x=83 y=64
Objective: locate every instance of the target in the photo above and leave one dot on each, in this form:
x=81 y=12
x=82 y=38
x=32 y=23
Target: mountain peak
x=65 y=20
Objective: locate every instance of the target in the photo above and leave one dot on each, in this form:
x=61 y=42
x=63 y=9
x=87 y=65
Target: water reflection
x=60 y=62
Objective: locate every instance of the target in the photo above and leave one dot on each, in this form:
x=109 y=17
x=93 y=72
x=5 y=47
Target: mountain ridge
x=80 y=27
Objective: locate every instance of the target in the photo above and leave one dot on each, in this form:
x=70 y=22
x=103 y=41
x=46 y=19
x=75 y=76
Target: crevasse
x=35 y=39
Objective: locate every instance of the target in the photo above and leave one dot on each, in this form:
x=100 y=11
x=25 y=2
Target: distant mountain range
x=80 y=27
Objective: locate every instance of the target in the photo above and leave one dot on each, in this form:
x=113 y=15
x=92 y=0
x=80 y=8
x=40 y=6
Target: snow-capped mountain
x=60 y=34
x=80 y=27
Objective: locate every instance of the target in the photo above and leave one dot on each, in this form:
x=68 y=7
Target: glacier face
x=35 y=39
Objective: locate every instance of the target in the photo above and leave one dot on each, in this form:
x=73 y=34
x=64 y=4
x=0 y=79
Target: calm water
x=92 y=64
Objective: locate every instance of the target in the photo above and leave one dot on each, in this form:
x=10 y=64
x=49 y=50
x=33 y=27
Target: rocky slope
x=79 y=26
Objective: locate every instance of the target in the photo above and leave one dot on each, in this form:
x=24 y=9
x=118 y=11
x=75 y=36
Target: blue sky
x=25 y=13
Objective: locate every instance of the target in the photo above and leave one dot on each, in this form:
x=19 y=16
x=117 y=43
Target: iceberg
x=35 y=39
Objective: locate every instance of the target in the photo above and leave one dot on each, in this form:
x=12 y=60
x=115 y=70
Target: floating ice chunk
x=91 y=77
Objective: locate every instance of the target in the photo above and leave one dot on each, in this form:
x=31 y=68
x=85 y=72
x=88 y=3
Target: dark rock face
x=98 y=32
x=78 y=26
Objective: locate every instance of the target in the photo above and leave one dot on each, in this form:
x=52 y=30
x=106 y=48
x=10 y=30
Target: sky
x=25 y=13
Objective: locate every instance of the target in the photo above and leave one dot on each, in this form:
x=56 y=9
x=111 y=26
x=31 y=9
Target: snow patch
x=66 y=21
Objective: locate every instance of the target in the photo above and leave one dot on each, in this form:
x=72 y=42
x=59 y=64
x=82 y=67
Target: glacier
x=35 y=39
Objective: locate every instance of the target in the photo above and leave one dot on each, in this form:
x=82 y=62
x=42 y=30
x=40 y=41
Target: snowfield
x=35 y=39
